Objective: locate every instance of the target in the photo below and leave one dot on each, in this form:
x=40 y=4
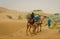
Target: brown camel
x=36 y=25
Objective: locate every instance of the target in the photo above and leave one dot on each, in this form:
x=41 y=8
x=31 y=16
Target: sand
x=16 y=29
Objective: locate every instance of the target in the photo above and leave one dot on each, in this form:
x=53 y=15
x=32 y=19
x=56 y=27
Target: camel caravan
x=35 y=22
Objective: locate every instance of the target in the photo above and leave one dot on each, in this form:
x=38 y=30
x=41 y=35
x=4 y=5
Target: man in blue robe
x=49 y=22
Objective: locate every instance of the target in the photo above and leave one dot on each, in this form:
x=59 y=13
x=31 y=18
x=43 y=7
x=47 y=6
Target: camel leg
x=34 y=29
x=27 y=29
x=40 y=27
x=30 y=28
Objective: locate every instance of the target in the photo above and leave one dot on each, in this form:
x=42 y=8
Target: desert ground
x=16 y=28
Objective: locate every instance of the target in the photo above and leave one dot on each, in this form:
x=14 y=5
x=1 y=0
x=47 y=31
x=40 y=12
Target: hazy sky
x=27 y=5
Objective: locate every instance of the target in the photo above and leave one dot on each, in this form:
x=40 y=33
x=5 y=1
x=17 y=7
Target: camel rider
x=35 y=17
x=32 y=17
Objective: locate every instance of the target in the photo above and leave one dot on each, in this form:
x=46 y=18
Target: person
x=49 y=22
x=32 y=15
x=32 y=18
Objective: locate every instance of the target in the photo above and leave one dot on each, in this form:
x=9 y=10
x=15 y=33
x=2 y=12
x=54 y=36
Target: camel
x=36 y=25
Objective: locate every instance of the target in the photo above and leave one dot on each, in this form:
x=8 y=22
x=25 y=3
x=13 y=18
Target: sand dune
x=15 y=28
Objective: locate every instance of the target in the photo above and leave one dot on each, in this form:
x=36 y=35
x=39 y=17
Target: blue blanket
x=36 y=18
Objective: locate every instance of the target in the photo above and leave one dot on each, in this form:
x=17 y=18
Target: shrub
x=56 y=17
x=19 y=17
x=10 y=17
x=56 y=14
x=58 y=27
x=52 y=27
x=59 y=30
